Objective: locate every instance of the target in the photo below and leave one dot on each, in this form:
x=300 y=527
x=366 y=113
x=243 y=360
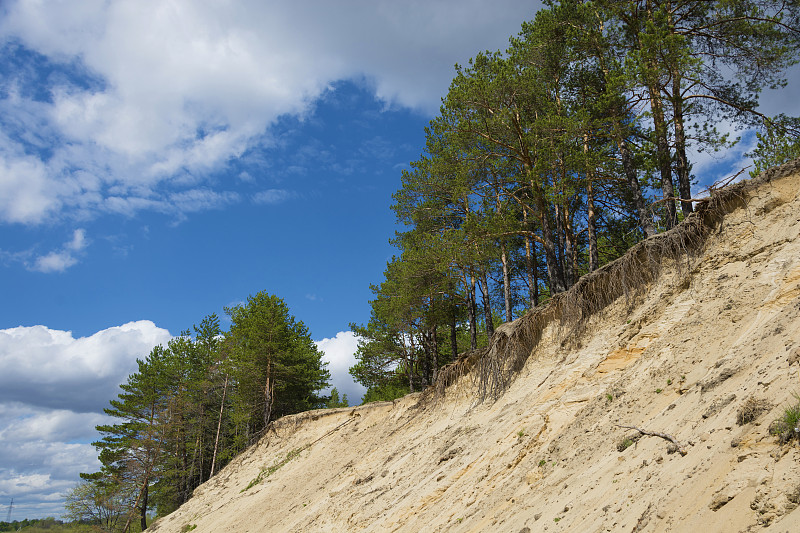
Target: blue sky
x=160 y=161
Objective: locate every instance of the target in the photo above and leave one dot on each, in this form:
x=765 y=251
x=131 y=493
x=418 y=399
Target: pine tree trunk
x=570 y=249
x=663 y=157
x=453 y=337
x=591 y=222
x=219 y=426
x=143 y=522
x=530 y=264
x=268 y=397
x=473 y=314
x=434 y=354
x=681 y=161
x=554 y=272
x=645 y=220
x=487 y=306
x=506 y=281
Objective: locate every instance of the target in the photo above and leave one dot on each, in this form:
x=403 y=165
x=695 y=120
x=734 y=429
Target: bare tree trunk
x=530 y=260
x=427 y=359
x=143 y=521
x=663 y=157
x=487 y=306
x=434 y=341
x=554 y=271
x=506 y=281
x=453 y=337
x=570 y=248
x=142 y=492
x=410 y=364
x=682 y=162
x=535 y=295
x=591 y=222
x=473 y=314
x=219 y=426
x=645 y=220
x=269 y=391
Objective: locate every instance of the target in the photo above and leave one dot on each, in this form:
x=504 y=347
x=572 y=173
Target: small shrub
x=788 y=426
x=627 y=442
x=751 y=409
x=658 y=391
x=188 y=527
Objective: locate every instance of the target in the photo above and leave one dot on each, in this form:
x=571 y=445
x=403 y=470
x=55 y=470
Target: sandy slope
x=712 y=332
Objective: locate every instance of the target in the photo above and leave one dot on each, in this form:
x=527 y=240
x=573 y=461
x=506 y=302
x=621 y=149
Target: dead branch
x=724 y=182
x=679 y=447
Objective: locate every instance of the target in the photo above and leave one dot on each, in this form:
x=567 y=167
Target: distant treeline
x=193 y=405
x=554 y=157
x=49 y=524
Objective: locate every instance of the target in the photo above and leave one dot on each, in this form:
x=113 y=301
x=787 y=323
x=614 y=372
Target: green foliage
x=192 y=405
x=51 y=525
x=334 y=401
x=275 y=363
x=777 y=144
x=546 y=160
x=385 y=393
x=787 y=428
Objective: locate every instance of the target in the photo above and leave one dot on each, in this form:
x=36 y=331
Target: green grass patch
x=266 y=472
x=787 y=427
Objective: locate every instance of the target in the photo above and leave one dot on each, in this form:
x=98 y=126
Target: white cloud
x=53 y=388
x=60 y=260
x=50 y=368
x=180 y=88
x=25 y=195
x=272 y=196
x=25 y=423
x=339 y=352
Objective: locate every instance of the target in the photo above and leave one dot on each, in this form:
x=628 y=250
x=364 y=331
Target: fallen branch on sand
x=678 y=446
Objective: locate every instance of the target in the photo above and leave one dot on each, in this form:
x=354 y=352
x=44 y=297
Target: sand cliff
x=711 y=334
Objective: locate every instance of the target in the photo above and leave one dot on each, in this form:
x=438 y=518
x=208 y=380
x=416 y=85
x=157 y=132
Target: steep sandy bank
x=713 y=332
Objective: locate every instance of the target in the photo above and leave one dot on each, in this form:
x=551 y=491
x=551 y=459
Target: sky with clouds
x=161 y=160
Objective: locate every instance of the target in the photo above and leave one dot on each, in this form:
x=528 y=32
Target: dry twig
x=678 y=446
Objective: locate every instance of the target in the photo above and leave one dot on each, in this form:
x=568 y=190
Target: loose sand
x=714 y=334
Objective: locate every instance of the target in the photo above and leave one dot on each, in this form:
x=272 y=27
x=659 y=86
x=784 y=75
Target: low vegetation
x=787 y=427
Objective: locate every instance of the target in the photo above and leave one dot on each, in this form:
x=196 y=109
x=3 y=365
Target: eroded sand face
x=708 y=336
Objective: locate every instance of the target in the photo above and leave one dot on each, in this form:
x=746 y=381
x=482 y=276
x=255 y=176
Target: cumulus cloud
x=50 y=368
x=67 y=256
x=152 y=96
x=339 y=352
x=37 y=473
x=53 y=388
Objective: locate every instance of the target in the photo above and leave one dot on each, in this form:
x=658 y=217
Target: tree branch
x=678 y=446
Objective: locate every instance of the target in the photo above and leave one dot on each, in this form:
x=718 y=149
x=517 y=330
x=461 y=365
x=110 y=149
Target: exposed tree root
x=494 y=368
x=678 y=446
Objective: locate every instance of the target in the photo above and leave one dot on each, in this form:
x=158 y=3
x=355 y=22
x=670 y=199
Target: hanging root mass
x=493 y=368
